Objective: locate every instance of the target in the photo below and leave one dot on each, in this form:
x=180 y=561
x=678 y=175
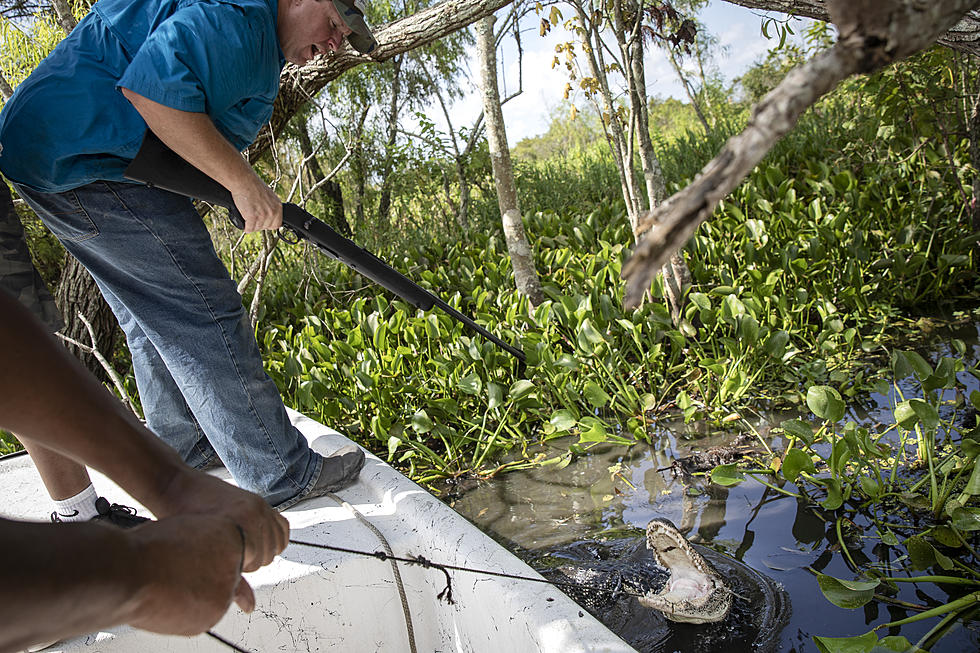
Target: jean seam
x=224 y=336
x=299 y=496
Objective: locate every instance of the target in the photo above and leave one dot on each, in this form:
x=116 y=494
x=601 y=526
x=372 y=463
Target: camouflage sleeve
x=17 y=274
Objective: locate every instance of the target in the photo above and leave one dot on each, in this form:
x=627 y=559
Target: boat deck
x=312 y=599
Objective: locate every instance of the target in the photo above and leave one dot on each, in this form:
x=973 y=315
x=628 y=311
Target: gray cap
x=352 y=13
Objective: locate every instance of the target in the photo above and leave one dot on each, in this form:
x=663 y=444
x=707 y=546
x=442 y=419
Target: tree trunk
x=358 y=168
x=525 y=274
x=5 y=88
x=676 y=275
x=384 y=202
x=676 y=65
x=77 y=294
x=974 y=132
x=333 y=195
x=619 y=144
x=62 y=10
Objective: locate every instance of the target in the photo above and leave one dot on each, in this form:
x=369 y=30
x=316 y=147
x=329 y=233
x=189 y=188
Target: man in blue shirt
x=203 y=75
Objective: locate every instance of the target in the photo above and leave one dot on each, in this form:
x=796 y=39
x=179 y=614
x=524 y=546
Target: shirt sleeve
x=197 y=60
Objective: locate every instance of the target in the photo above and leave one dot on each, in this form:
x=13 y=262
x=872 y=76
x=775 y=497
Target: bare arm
x=175 y=576
x=47 y=396
x=195 y=138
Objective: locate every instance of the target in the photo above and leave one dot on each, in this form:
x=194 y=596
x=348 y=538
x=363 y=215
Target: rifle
x=156 y=165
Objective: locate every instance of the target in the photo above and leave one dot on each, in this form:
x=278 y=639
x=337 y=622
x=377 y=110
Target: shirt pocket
x=242 y=122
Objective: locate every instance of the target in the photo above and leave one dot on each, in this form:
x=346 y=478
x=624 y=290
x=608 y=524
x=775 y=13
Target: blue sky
x=737 y=28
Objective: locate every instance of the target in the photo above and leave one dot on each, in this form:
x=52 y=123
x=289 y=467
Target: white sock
x=80 y=507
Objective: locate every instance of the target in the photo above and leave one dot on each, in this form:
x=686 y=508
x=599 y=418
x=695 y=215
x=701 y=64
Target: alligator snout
x=695 y=592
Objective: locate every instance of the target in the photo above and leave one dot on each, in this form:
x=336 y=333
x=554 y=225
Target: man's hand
x=259 y=206
x=175 y=576
x=194 y=492
x=187 y=571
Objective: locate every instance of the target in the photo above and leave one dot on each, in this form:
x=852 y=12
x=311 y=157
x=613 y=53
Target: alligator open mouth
x=695 y=592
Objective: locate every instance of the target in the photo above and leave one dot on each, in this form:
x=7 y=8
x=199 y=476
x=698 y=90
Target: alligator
x=641 y=587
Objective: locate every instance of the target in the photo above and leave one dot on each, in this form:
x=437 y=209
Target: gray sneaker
x=340 y=469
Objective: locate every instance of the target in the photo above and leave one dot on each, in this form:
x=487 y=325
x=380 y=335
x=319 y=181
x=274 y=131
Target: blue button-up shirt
x=68 y=124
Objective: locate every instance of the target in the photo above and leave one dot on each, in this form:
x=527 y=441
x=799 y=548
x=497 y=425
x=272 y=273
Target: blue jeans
x=198 y=368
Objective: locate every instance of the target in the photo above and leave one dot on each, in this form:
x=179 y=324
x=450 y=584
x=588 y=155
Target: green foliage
x=24 y=44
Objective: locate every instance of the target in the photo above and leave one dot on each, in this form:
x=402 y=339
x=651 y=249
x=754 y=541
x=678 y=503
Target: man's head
x=307 y=28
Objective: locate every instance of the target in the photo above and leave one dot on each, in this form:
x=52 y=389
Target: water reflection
x=614 y=492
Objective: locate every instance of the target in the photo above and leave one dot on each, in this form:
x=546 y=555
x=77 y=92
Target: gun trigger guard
x=293 y=239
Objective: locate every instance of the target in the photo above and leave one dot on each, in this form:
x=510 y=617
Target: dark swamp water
x=612 y=492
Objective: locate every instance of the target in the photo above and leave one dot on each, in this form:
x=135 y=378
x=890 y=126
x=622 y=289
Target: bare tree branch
x=963 y=36
x=873 y=33
x=298 y=84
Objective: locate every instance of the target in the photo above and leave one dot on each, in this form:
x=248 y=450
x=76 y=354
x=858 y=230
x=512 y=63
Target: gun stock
x=158 y=166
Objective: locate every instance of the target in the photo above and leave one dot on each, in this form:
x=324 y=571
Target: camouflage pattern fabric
x=17 y=274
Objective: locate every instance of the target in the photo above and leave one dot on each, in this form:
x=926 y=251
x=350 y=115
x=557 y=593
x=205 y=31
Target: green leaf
x=857 y=644
x=848 y=594
x=975 y=399
x=825 y=402
x=364 y=381
x=870 y=486
x=700 y=300
x=590 y=332
x=835 y=499
x=888 y=537
x=470 y=384
x=923 y=555
x=795 y=462
x=895 y=644
x=748 y=328
x=905 y=416
x=727 y=475
x=776 y=345
x=593 y=430
x=908 y=363
x=596 y=395
x=966 y=519
x=520 y=389
x=496 y=393
x=971 y=449
x=927 y=414
x=393 y=443
x=563 y=420
x=421 y=422
x=798 y=429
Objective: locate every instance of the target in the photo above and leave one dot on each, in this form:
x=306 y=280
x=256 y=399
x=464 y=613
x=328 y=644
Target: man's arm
x=47 y=396
x=195 y=138
x=176 y=576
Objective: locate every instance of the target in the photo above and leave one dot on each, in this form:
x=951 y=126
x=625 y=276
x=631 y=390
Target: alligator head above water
x=694 y=593
x=640 y=587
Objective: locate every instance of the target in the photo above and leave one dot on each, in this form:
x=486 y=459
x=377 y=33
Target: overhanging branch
x=300 y=84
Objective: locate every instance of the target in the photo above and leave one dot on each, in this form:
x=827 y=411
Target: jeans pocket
x=64 y=215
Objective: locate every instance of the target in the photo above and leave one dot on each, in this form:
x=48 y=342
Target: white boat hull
x=312 y=599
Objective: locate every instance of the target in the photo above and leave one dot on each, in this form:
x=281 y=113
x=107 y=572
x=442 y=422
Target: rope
x=409 y=625
x=446 y=593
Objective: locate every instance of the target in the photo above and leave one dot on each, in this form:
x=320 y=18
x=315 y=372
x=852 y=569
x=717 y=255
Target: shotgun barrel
x=158 y=166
